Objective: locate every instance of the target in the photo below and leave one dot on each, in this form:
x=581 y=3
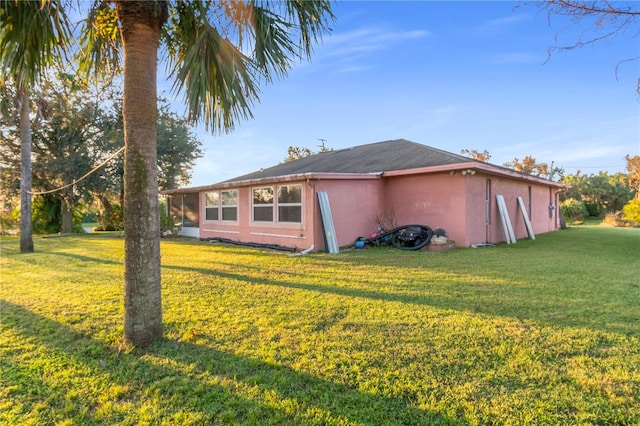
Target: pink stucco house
x=422 y=185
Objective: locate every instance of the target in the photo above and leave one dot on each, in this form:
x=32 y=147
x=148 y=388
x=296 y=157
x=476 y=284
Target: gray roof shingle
x=398 y=154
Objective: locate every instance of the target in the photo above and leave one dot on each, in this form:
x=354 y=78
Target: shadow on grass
x=521 y=302
x=83 y=258
x=524 y=302
x=184 y=378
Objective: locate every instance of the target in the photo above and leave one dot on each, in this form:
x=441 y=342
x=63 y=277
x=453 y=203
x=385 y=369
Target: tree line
x=74 y=132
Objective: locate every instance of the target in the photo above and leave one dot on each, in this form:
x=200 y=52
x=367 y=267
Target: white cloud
x=349 y=51
x=368 y=39
x=505 y=21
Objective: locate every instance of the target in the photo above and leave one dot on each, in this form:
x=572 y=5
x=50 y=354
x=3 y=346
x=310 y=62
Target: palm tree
x=31 y=36
x=218 y=51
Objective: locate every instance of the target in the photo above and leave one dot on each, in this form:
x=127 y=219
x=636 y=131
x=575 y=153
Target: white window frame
x=215 y=207
x=221 y=206
x=279 y=204
x=272 y=205
x=275 y=205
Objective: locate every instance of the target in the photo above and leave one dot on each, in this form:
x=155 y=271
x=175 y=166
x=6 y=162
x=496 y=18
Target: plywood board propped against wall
x=506 y=221
x=525 y=216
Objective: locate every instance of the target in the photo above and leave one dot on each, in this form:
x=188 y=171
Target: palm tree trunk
x=26 y=232
x=141 y=22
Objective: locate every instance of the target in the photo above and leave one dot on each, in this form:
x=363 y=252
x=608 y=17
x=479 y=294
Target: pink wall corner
x=435 y=200
x=477 y=190
x=354 y=206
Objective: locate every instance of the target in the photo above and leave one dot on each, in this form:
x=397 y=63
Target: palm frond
x=213 y=74
x=33 y=34
x=100 y=42
x=313 y=19
x=220 y=50
x=278 y=33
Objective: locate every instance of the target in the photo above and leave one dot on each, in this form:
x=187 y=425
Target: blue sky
x=452 y=75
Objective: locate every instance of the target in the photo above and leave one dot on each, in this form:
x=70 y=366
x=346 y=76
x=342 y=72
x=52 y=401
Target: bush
x=631 y=210
x=111 y=219
x=167 y=224
x=593 y=209
x=89 y=217
x=615 y=219
x=9 y=221
x=573 y=210
x=46 y=214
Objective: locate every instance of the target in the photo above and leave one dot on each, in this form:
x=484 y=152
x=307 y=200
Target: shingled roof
x=398 y=154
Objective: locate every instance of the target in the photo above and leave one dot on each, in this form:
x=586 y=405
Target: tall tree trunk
x=67 y=217
x=140 y=25
x=26 y=231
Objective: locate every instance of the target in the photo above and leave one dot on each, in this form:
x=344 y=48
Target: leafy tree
x=177 y=146
x=178 y=149
x=218 y=52
x=75 y=137
x=296 y=152
x=633 y=167
x=573 y=210
x=608 y=193
x=631 y=210
x=531 y=166
x=483 y=156
x=46 y=214
x=601 y=192
x=32 y=34
x=575 y=181
x=64 y=147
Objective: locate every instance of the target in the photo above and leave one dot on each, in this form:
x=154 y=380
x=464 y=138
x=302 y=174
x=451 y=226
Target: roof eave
x=476 y=166
x=275 y=179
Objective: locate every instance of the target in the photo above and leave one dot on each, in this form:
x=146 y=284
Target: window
x=290 y=203
x=229 y=205
x=287 y=205
x=263 y=204
x=211 y=202
x=184 y=209
x=221 y=205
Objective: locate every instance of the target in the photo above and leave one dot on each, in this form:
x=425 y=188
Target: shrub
x=593 y=209
x=46 y=214
x=631 y=210
x=9 y=221
x=573 y=210
x=615 y=219
x=89 y=217
x=167 y=224
x=111 y=219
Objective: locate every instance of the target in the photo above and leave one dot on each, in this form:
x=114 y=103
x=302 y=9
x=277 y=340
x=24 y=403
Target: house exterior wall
x=477 y=191
x=296 y=235
x=536 y=198
x=435 y=200
x=458 y=203
x=354 y=207
x=450 y=200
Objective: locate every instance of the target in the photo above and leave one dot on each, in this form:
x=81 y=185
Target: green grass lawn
x=540 y=332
